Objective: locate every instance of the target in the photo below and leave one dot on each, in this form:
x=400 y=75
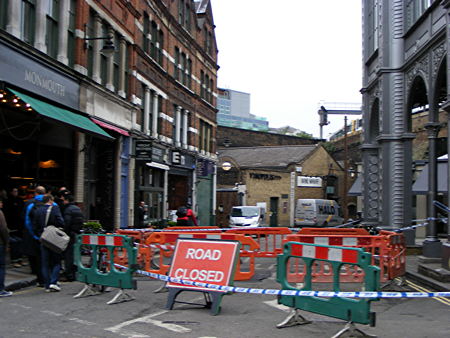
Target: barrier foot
x=350 y=330
x=212 y=299
x=87 y=291
x=162 y=288
x=120 y=297
x=294 y=318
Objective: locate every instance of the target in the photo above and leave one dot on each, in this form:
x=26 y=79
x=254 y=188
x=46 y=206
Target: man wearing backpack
x=73 y=222
x=186 y=216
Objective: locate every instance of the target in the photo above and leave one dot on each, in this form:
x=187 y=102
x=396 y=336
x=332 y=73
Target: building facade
x=405 y=51
x=234 y=111
x=113 y=99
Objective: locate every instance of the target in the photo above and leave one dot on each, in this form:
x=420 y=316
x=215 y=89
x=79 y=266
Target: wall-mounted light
x=226 y=166
x=108 y=47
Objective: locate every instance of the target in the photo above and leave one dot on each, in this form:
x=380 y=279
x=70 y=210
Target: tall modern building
x=234 y=111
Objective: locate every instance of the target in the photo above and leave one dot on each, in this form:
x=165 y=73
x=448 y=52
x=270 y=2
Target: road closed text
x=199 y=275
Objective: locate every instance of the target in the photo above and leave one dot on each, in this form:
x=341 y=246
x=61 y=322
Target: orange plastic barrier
x=387 y=248
x=144 y=254
x=270 y=240
x=166 y=240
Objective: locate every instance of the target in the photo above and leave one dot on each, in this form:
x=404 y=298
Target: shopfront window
x=28 y=20
x=151 y=191
x=51 y=37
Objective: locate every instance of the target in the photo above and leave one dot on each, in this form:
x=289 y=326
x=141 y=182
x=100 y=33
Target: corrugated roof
x=275 y=156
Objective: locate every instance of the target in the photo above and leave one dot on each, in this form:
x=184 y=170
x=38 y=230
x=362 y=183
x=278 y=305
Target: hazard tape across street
x=328 y=294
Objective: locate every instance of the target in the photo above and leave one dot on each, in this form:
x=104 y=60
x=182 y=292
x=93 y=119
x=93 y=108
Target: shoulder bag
x=53 y=238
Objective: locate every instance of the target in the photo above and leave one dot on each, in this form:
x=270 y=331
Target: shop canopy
x=62 y=115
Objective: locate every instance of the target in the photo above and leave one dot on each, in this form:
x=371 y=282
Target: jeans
x=2 y=267
x=51 y=265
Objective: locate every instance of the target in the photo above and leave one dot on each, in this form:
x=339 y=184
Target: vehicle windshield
x=245 y=212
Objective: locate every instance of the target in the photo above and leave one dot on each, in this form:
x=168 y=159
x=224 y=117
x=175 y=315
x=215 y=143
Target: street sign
x=204 y=261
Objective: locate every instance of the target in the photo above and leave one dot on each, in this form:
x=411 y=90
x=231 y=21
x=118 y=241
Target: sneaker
x=5 y=293
x=48 y=290
x=54 y=287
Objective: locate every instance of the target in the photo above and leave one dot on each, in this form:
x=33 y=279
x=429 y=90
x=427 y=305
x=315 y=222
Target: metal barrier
x=98 y=267
x=270 y=240
x=351 y=310
x=388 y=252
x=166 y=240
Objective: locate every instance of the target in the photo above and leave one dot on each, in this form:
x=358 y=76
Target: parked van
x=317 y=212
x=247 y=216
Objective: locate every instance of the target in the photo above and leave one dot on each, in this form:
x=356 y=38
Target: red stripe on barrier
x=101 y=240
x=228 y=236
x=335 y=241
x=85 y=239
x=321 y=252
x=200 y=236
x=296 y=250
x=307 y=239
x=171 y=237
x=350 y=256
x=118 y=241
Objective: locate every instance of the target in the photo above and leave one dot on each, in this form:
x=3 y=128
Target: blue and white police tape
x=441 y=206
x=356 y=294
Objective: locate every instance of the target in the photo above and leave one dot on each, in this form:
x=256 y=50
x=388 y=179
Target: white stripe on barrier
x=342 y=294
x=109 y=240
x=321 y=240
x=335 y=254
x=349 y=241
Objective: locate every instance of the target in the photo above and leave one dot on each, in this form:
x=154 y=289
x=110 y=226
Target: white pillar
x=122 y=67
x=41 y=24
x=80 y=155
x=185 y=129
x=14 y=19
x=177 y=126
x=96 y=46
x=63 y=31
x=155 y=115
x=110 y=67
x=146 y=110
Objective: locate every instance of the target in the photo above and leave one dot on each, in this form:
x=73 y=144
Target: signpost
x=204 y=261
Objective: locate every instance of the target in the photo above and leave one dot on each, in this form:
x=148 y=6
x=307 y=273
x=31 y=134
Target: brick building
x=275 y=176
x=119 y=125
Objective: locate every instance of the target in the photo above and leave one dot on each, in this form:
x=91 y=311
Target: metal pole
x=344 y=202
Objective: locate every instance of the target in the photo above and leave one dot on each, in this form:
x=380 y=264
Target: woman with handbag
x=45 y=215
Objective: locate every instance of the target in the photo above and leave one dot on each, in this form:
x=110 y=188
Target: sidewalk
x=17 y=278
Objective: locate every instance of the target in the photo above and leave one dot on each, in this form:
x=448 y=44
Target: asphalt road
x=33 y=313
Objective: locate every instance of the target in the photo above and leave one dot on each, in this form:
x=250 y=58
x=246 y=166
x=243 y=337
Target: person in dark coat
x=73 y=222
x=31 y=245
x=50 y=260
x=13 y=207
x=185 y=216
x=4 y=238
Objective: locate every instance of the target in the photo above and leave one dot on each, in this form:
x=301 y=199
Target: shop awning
x=356 y=189
x=420 y=187
x=62 y=115
x=110 y=127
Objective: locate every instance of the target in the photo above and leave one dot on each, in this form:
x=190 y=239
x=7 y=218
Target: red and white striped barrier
x=109 y=240
x=332 y=254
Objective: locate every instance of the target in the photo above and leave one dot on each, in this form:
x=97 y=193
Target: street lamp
x=108 y=47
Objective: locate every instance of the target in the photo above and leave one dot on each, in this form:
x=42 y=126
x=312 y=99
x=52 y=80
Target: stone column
x=41 y=24
x=122 y=67
x=110 y=67
x=63 y=31
x=155 y=115
x=177 y=126
x=146 y=111
x=96 y=46
x=13 y=21
x=432 y=245
x=185 y=129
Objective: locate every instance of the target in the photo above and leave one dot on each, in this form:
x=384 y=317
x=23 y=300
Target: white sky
x=290 y=55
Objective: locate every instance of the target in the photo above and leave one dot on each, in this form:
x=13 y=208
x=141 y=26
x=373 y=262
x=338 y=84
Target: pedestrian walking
x=73 y=222
x=185 y=216
x=4 y=238
x=48 y=214
x=13 y=207
x=142 y=215
x=31 y=245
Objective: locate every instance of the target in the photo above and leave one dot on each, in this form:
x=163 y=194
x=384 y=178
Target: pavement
x=418 y=270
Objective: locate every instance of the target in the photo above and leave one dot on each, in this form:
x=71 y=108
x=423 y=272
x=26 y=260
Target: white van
x=246 y=216
x=317 y=212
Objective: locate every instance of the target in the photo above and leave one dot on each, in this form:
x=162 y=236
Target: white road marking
x=275 y=304
x=148 y=319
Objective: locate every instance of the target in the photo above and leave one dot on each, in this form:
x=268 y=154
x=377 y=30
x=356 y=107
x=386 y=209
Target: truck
x=317 y=213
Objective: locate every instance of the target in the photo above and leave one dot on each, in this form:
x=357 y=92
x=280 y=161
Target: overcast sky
x=290 y=55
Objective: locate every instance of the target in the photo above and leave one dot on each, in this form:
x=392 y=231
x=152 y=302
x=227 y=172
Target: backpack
x=76 y=218
x=182 y=212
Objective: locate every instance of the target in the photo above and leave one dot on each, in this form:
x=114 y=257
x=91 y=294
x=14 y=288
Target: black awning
x=420 y=187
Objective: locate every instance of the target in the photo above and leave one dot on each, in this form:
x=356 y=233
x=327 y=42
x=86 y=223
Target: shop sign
x=204 y=261
x=143 y=150
x=204 y=167
x=310 y=182
x=24 y=72
x=180 y=159
x=158 y=154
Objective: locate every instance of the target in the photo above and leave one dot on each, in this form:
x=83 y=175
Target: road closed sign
x=204 y=261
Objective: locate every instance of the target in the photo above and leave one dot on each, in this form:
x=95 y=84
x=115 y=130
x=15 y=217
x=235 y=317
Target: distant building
x=234 y=111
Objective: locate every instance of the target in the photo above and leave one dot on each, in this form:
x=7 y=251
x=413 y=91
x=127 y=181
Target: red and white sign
x=204 y=261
